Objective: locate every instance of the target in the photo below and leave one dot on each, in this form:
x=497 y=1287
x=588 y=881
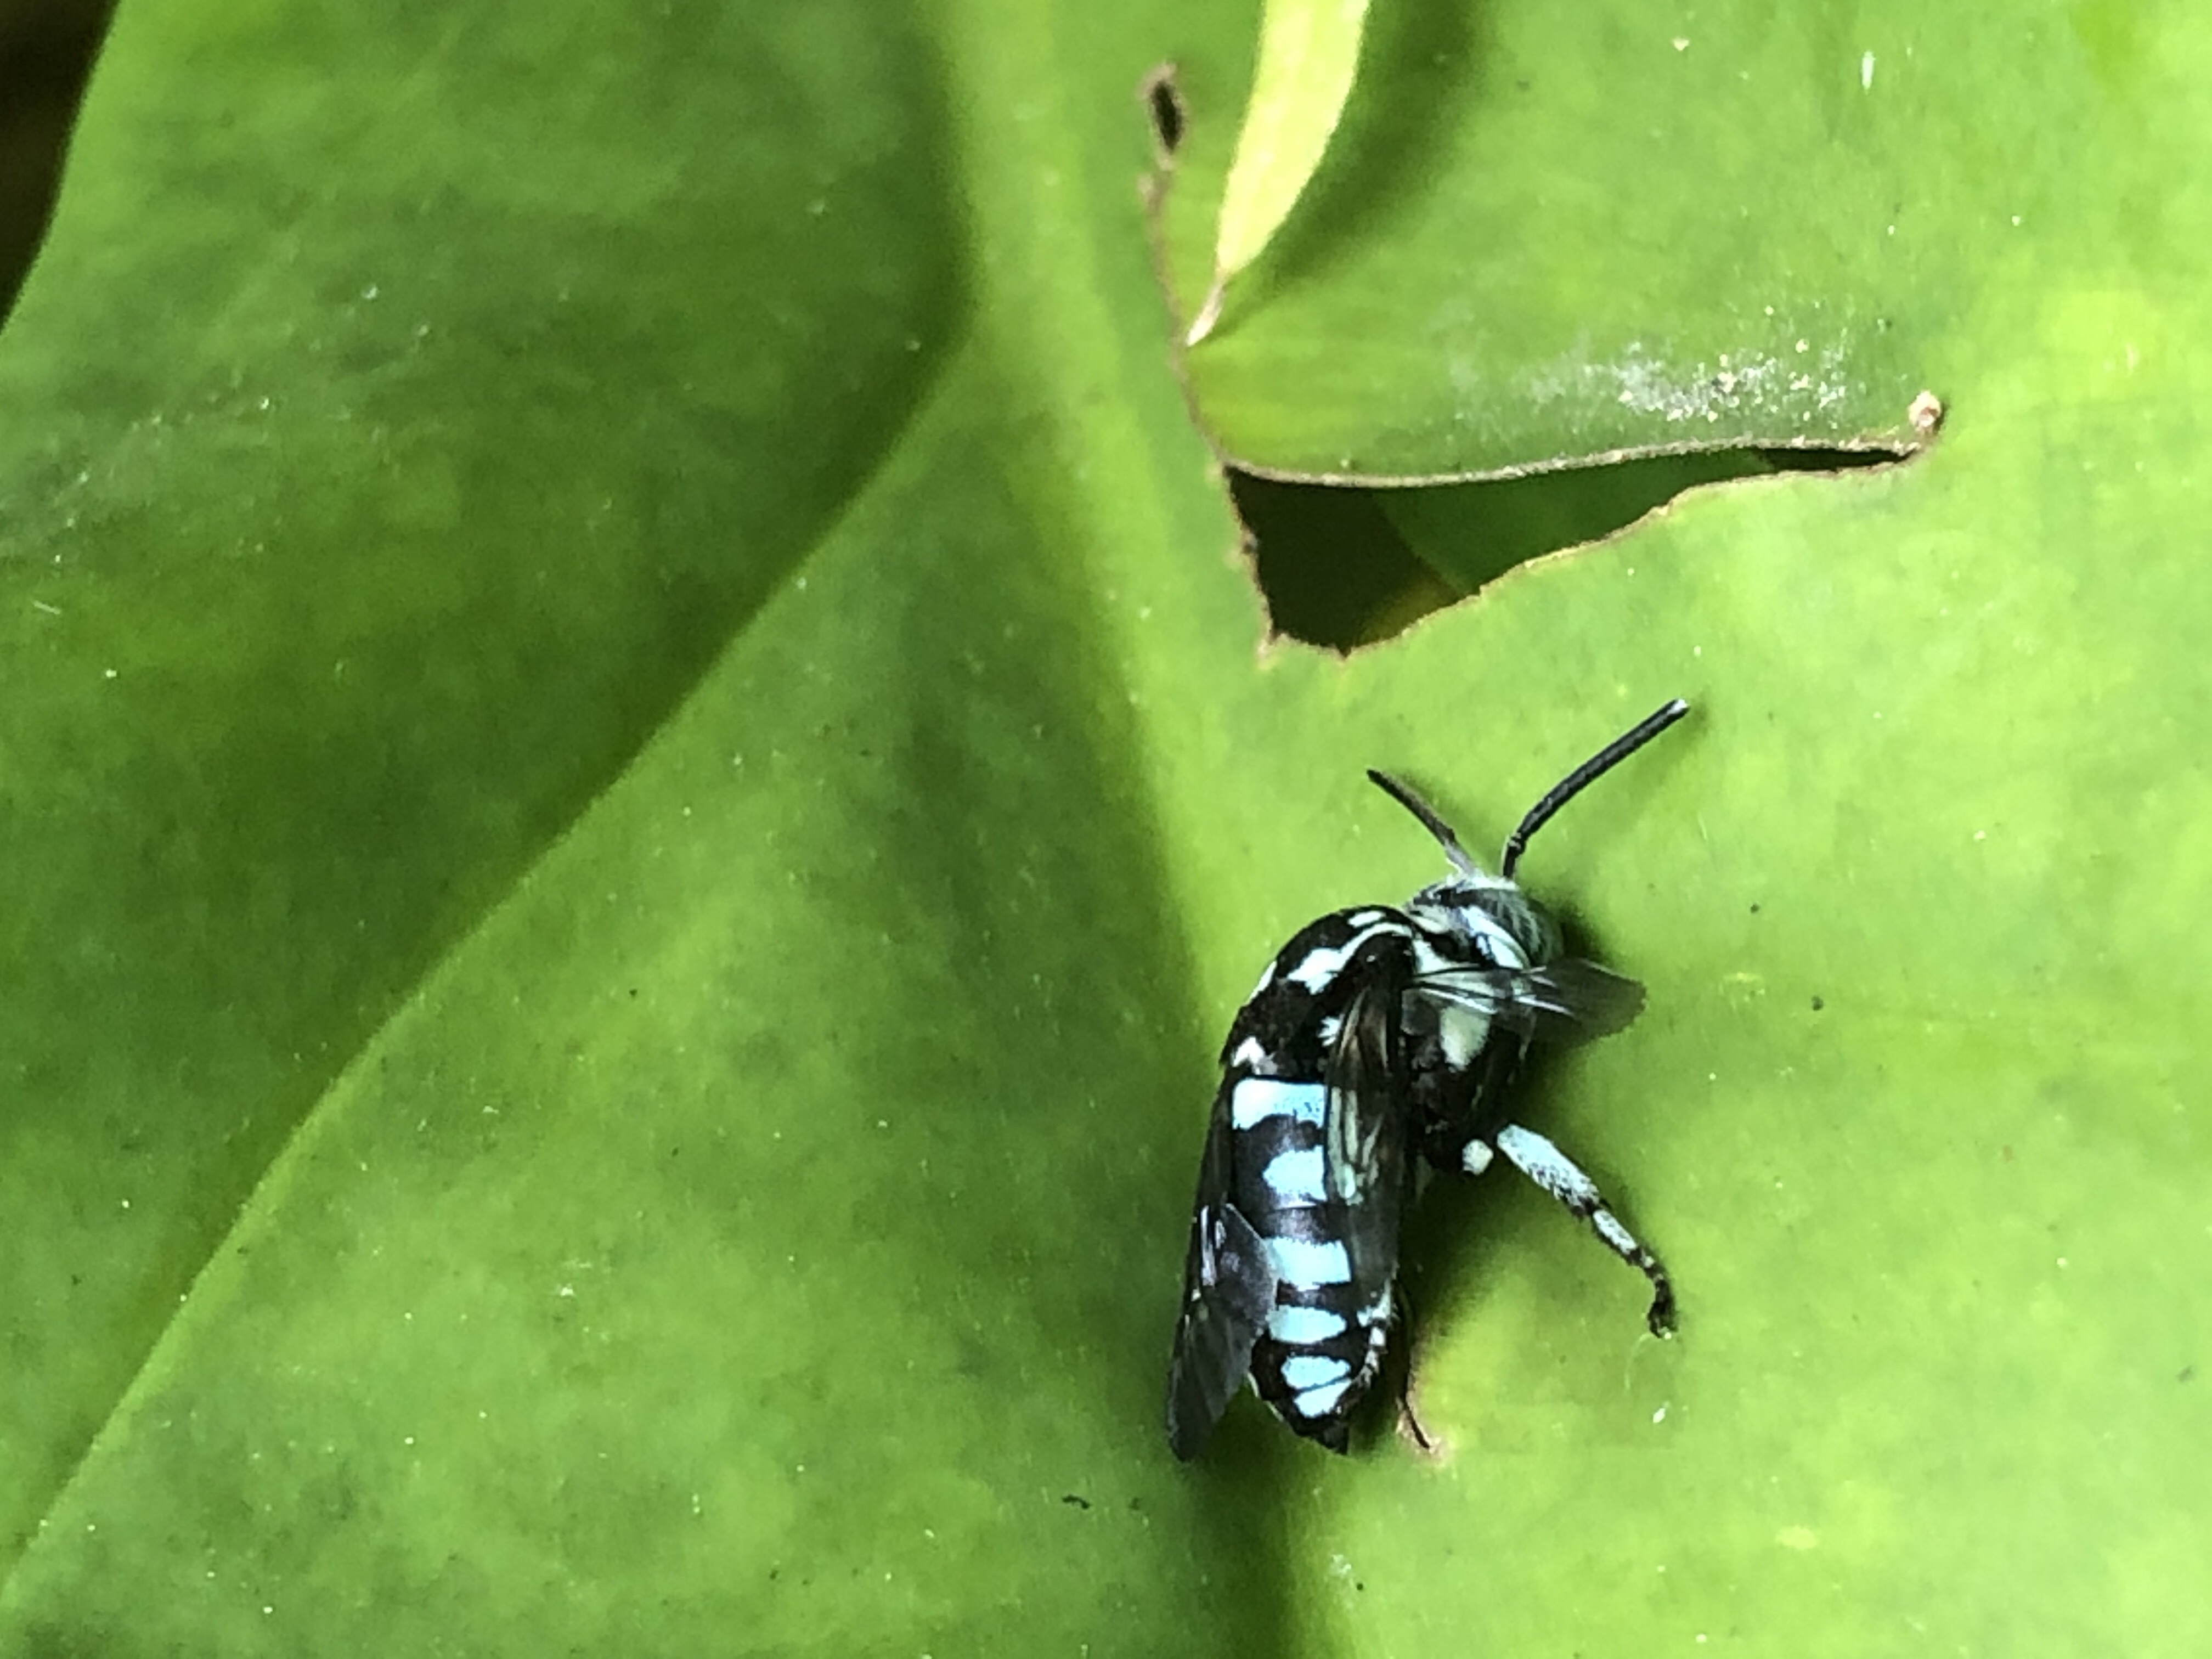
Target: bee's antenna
x=1436 y=826
x=1576 y=781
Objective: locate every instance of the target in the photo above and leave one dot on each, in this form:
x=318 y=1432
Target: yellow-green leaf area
x=1308 y=54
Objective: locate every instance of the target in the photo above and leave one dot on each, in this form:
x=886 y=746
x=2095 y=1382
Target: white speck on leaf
x=1748 y=383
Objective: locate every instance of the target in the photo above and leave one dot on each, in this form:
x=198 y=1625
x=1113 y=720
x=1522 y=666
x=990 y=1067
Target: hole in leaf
x=1164 y=105
x=1342 y=567
x=45 y=57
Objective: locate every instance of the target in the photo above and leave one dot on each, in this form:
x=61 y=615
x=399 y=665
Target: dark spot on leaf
x=2187 y=1374
x=1754 y=909
x=1818 y=1005
x=1080 y=1503
x=1164 y=105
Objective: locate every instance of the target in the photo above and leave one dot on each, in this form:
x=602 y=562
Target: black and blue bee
x=1375 y=1037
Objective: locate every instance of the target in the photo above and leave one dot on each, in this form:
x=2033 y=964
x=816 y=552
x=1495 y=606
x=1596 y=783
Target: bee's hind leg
x=1558 y=1175
x=1409 y=1418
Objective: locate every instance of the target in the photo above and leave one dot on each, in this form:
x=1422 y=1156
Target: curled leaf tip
x=1209 y=313
x=1309 y=52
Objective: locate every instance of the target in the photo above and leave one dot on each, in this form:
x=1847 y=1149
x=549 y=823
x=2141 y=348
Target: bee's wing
x=1228 y=1286
x=1366 y=1128
x=1568 y=1001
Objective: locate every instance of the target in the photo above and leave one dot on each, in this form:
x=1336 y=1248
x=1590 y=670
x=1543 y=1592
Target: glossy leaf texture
x=640 y=771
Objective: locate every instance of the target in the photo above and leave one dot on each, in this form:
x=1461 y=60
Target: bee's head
x=1501 y=923
x=1489 y=911
x=1505 y=926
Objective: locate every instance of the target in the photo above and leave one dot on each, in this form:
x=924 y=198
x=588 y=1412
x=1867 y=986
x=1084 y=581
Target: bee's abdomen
x=1323 y=1338
x=1316 y=1360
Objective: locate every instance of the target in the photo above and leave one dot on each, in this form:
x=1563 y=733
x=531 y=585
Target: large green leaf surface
x=638 y=772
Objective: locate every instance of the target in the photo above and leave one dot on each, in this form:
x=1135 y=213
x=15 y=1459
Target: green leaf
x=1309 y=50
x=1530 y=246
x=617 y=908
